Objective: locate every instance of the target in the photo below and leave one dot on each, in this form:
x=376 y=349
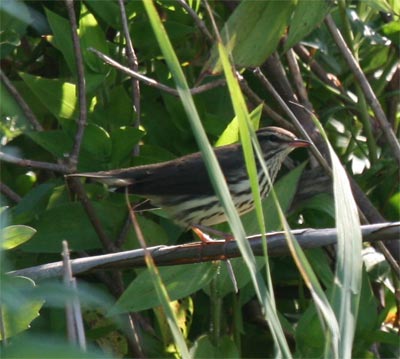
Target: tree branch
x=33 y=164
x=151 y=82
x=21 y=102
x=81 y=82
x=366 y=87
x=198 y=252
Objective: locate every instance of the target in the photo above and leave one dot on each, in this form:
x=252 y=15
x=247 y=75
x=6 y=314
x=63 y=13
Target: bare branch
x=8 y=192
x=200 y=23
x=266 y=109
x=134 y=65
x=365 y=86
x=21 y=102
x=197 y=252
x=153 y=83
x=33 y=164
x=298 y=79
x=73 y=159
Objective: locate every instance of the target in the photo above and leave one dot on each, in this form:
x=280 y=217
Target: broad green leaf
x=286 y=189
x=9 y=107
x=154 y=233
x=15 y=18
x=107 y=11
x=348 y=275
x=320 y=263
x=180 y=281
x=223 y=280
x=19 y=308
x=70 y=222
x=91 y=35
x=51 y=345
x=307 y=16
x=204 y=348
x=252 y=32
x=123 y=141
x=231 y=133
x=97 y=142
x=57 y=142
x=309 y=336
x=58 y=96
x=62 y=38
x=33 y=203
x=13 y=236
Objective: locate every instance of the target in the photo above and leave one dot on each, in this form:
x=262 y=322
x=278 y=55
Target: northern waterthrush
x=182 y=186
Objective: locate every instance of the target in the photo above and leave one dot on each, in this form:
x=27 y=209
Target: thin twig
x=33 y=164
x=30 y=116
x=294 y=119
x=276 y=117
x=73 y=158
x=327 y=78
x=134 y=66
x=8 y=192
x=365 y=86
x=190 y=253
x=200 y=23
x=151 y=82
x=298 y=79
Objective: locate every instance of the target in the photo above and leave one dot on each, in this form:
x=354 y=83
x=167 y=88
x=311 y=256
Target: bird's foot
x=201 y=230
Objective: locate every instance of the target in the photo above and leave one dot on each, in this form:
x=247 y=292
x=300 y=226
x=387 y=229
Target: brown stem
x=73 y=158
x=21 y=102
x=34 y=164
x=366 y=88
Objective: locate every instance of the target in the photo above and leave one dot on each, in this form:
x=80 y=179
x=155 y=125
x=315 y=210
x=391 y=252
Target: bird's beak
x=300 y=143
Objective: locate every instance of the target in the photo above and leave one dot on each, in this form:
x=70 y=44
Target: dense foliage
x=128 y=123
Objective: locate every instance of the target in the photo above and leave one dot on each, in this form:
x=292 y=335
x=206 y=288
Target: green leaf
x=15 y=18
x=19 y=307
x=62 y=39
x=204 y=348
x=70 y=222
x=33 y=203
x=96 y=141
x=107 y=11
x=285 y=189
x=123 y=141
x=58 y=96
x=9 y=107
x=307 y=16
x=180 y=281
x=252 y=32
x=13 y=236
x=223 y=280
x=231 y=133
x=91 y=35
x=57 y=142
x=51 y=345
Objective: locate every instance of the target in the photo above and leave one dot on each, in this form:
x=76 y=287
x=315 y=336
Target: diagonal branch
x=366 y=87
x=151 y=82
x=21 y=102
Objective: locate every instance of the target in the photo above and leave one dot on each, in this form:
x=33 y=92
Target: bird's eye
x=274 y=138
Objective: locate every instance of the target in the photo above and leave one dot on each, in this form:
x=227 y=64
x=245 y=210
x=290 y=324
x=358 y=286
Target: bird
x=182 y=186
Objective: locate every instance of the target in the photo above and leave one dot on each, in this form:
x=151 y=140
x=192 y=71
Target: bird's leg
x=200 y=232
x=206 y=239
